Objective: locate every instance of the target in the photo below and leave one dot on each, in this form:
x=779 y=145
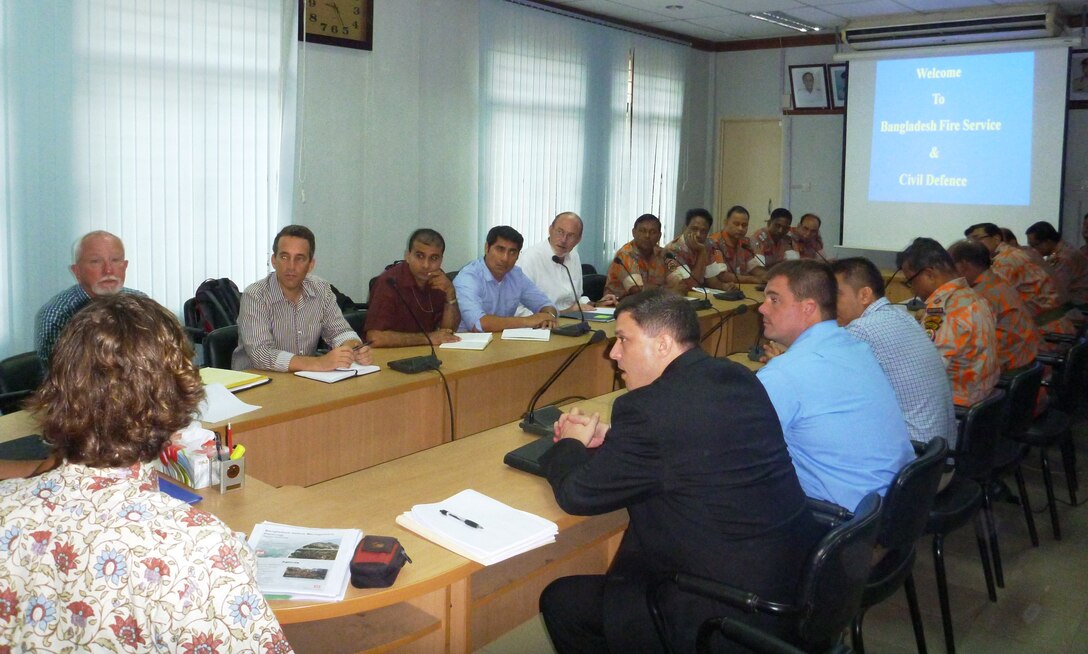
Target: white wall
x=749 y=84
x=389 y=139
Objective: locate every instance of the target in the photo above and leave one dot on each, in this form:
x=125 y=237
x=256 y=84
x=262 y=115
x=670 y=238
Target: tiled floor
x=1043 y=608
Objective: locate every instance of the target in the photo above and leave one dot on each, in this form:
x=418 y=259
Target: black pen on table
x=470 y=523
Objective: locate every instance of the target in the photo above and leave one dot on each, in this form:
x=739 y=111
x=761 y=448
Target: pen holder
x=232 y=474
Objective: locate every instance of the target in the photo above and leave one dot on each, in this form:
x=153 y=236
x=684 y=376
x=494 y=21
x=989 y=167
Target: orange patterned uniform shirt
x=734 y=260
x=1036 y=288
x=1018 y=337
x=768 y=250
x=646 y=272
x=962 y=327
x=1070 y=268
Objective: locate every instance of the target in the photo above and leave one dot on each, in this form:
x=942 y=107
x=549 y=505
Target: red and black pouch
x=377 y=562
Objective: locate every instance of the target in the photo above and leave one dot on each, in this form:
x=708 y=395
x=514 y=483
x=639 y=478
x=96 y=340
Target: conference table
x=441 y=602
x=307 y=432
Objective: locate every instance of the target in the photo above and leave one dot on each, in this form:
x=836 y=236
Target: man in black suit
x=695 y=454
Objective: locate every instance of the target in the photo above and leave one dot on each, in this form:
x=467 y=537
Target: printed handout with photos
x=303 y=562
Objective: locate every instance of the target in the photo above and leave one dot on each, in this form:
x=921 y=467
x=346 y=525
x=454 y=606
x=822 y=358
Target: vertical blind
x=576 y=117
x=159 y=122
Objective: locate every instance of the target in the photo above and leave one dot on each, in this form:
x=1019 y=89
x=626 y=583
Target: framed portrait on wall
x=1078 y=74
x=809 y=87
x=837 y=76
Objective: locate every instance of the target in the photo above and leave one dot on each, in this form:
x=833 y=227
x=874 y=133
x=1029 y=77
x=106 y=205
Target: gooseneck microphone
x=698 y=305
x=542 y=421
x=736 y=294
x=413 y=365
x=755 y=353
x=582 y=326
x=619 y=261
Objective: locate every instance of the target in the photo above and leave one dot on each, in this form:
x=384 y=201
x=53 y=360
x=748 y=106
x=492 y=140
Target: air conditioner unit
x=974 y=26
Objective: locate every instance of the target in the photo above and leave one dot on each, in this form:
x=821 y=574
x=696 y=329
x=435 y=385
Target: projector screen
x=940 y=141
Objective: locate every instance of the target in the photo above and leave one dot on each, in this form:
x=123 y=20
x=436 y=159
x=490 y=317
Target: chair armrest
x=195 y=333
x=749 y=636
x=725 y=594
x=828 y=514
x=1051 y=337
x=960 y=411
x=13 y=401
x=1050 y=359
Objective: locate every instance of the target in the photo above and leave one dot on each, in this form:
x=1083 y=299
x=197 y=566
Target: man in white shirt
x=536 y=262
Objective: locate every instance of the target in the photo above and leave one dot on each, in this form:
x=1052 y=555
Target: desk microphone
x=755 y=353
x=629 y=275
x=741 y=309
x=699 y=305
x=542 y=421
x=581 y=327
x=915 y=303
x=412 y=365
x=762 y=261
x=736 y=294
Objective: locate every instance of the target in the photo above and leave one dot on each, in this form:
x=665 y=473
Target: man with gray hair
x=538 y=263
x=98 y=264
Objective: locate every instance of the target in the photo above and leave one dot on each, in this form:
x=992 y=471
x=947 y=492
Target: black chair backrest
x=910 y=497
x=1021 y=395
x=22 y=372
x=219 y=344
x=588 y=269
x=978 y=435
x=453 y=274
x=838 y=568
x=593 y=286
x=1071 y=380
x=357 y=320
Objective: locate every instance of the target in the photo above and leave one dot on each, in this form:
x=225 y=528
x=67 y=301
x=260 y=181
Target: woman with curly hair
x=94 y=556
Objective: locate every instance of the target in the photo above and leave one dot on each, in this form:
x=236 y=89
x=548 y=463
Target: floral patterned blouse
x=95 y=559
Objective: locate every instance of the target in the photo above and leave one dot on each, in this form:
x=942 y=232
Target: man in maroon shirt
x=425 y=292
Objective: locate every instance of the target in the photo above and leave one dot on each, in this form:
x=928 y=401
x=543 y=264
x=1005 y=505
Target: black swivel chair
x=1054 y=427
x=357 y=320
x=903 y=518
x=219 y=344
x=828 y=593
x=1021 y=395
x=20 y=375
x=588 y=269
x=963 y=499
x=593 y=286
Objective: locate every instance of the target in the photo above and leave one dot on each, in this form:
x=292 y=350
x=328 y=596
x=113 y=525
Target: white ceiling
x=727 y=20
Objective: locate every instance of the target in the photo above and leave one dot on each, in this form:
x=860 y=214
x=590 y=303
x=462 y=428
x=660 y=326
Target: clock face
x=346 y=23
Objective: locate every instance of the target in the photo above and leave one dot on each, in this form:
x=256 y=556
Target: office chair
x=219 y=345
x=20 y=376
x=828 y=594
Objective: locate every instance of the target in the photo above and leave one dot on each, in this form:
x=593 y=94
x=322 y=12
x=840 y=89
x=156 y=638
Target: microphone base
x=577 y=329
x=413 y=365
x=915 y=304
x=730 y=296
x=755 y=353
x=541 y=422
x=699 y=305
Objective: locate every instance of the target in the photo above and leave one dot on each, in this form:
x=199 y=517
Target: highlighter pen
x=238 y=452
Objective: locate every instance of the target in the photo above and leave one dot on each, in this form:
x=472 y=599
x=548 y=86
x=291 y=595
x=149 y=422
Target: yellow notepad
x=234 y=380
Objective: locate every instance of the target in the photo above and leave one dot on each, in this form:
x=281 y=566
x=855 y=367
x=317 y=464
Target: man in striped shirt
x=284 y=316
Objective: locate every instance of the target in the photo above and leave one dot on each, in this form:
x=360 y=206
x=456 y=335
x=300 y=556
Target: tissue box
x=191 y=465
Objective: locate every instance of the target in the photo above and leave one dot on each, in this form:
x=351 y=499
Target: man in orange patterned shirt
x=639 y=264
x=1070 y=267
x=959 y=321
x=1018 y=338
x=1036 y=287
x=736 y=254
x=773 y=242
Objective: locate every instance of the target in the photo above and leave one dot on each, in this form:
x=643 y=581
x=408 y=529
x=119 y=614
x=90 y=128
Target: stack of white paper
x=526 y=334
x=219 y=404
x=502 y=531
x=303 y=563
x=469 y=341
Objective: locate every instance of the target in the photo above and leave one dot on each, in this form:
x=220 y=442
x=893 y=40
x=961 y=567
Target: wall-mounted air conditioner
x=973 y=26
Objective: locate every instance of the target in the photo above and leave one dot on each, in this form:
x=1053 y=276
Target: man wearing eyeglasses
x=958 y=320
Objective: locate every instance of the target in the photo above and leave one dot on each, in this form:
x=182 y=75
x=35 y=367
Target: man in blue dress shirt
x=490 y=288
x=843 y=427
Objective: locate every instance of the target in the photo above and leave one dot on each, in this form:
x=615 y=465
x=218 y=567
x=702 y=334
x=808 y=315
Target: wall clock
x=345 y=23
